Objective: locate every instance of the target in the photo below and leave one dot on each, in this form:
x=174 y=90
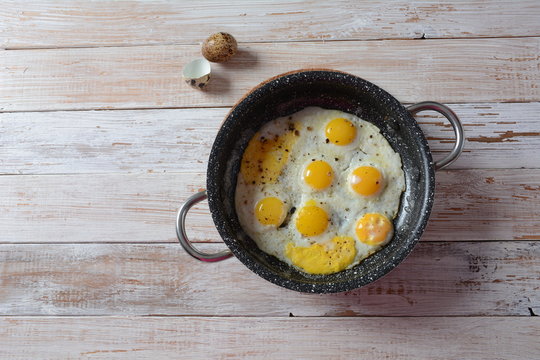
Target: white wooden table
x=101 y=141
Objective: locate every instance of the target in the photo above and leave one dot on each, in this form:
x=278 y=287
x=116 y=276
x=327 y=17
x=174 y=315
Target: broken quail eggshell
x=197 y=73
x=219 y=47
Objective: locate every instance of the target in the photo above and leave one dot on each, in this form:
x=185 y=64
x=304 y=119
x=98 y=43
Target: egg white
x=343 y=206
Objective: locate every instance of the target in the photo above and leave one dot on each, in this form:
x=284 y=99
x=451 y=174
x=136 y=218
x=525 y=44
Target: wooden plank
x=498 y=135
x=150 y=76
x=100 y=208
x=437 y=279
x=269 y=338
x=108 y=141
x=469 y=205
x=80 y=23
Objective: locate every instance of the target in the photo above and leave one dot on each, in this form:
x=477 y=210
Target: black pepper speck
x=283 y=96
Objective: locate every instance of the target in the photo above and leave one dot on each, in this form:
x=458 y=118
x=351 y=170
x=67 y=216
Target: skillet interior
x=329 y=89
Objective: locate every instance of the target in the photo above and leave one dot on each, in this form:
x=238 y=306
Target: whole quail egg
x=219 y=47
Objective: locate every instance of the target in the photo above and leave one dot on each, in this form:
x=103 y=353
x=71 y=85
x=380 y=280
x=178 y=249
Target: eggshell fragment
x=219 y=47
x=197 y=73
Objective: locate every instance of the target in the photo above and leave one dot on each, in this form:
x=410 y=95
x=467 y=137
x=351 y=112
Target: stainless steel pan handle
x=200 y=196
x=182 y=236
x=456 y=124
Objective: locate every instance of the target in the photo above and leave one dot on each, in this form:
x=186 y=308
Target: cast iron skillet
x=330 y=89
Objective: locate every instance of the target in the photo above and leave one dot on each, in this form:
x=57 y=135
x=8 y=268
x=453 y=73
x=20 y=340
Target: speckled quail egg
x=219 y=47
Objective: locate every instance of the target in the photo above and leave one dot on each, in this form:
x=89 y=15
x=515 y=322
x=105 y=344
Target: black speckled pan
x=330 y=89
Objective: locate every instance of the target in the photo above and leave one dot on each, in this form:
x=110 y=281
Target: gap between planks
x=202 y=108
x=267 y=42
x=239 y=317
x=159 y=243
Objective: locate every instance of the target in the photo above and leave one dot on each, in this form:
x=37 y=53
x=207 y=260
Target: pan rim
x=213 y=188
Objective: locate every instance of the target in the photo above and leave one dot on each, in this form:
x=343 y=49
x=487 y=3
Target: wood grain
x=269 y=338
x=437 y=279
x=498 y=135
x=37 y=24
x=492 y=204
x=89 y=263
x=150 y=76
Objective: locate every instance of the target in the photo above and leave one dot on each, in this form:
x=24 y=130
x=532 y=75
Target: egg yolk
x=340 y=131
x=366 y=180
x=312 y=220
x=323 y=259
x=265 y=157
x=373 y=229
x=270 y=211
x=318 y=174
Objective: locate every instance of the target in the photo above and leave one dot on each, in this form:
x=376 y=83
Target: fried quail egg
x=319 y=189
